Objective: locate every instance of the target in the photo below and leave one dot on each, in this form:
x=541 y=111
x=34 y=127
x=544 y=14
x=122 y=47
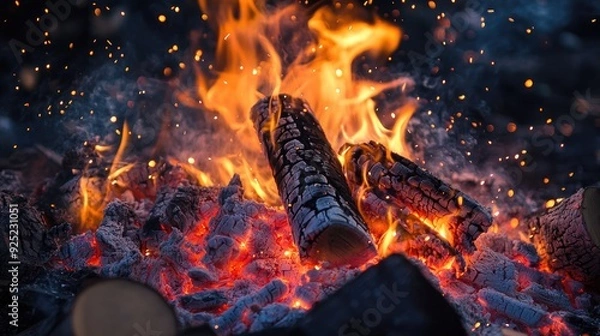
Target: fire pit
x=277 y=179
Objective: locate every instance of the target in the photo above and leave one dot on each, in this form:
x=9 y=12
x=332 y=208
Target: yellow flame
x=94 y=197
x=317 y=62
x=389 y=237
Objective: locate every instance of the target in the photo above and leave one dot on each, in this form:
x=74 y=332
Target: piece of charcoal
x=528 y=314
x=491 y=269
x=269 y=316
x=118 y=221
x=207 y=300
x=178 y=208
x=201 y=277
x=270 y=293
x=549 y=297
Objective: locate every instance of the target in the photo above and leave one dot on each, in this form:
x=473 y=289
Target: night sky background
x=560 y=53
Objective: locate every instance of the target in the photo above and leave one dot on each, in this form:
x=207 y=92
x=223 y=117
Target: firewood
x=568 y=236
x=403 y=183
x=326 y=223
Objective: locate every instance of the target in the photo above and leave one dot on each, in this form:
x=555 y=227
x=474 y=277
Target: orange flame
x=317 y=65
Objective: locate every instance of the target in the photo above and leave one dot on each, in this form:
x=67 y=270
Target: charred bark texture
x=326 y=224
x=400 y=182
x=568 y=236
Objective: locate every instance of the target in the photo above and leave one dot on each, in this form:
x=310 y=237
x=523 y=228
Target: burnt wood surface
x=568 y=235
x=326 y=224
x=400 y=182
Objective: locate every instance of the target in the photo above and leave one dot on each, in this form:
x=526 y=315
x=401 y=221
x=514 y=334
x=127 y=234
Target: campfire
x=297 y=208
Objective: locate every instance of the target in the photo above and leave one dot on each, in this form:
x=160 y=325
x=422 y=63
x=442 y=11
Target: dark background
x=561 y=55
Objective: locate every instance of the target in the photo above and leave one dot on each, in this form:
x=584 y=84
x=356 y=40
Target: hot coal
x=259 y=281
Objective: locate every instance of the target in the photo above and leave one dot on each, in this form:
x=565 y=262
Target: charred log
x=568 y=236
x=326 y=224
x=401 y=182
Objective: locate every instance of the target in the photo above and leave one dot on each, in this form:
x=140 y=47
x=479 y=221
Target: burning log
x=568 y=236
x=326 y=224
x=402 y=183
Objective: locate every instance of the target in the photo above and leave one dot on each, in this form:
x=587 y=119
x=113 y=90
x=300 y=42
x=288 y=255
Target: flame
x=94 y=192
x=263 y=52
x=389 y=237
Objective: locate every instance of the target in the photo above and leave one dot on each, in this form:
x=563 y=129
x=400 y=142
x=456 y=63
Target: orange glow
x=319 y=66
x=94 y=192
x=389 y=237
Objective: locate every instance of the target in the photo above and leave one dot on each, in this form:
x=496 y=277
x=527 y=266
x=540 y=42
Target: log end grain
x=340 y=245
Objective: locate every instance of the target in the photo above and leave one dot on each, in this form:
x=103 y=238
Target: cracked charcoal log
x=122 y=307
x=528 y=314
x=270 y=293
x=491 y=269
x=568 y=236
x=203 y=301
x=326 y=224
x=401 y=182
x=548 y=296
x=393 y=293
